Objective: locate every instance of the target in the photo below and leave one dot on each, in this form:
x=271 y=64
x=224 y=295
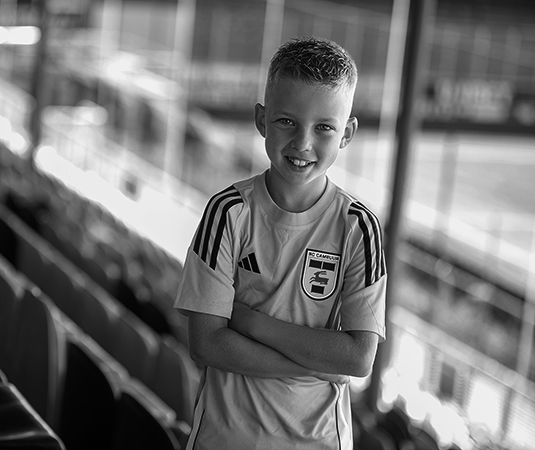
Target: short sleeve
x=365 y=309
x=364 y=289
x=207 y=284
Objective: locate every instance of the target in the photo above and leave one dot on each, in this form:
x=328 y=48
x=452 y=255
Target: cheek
x=274 y=139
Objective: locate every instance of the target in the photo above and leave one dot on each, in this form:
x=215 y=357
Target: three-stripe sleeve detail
x=212 y=226
x=370 y=227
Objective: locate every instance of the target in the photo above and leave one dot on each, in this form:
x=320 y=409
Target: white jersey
x=321 y=268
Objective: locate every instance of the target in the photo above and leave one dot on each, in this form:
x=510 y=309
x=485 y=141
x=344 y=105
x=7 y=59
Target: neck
x=295 y=199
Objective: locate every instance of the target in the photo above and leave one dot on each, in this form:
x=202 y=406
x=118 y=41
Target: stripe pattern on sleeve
x=375 y=266
x=212 y=226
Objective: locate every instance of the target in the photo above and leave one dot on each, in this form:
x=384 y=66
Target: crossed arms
x=255 y=344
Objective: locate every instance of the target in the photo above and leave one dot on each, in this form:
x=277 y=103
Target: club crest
x=320 y=274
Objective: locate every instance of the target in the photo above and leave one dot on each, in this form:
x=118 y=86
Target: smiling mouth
x=299 y=162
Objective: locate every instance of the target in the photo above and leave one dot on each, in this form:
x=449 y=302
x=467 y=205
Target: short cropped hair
x=312 y=60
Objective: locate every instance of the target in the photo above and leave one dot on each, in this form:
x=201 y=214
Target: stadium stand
x=66 y=402
x=79 y=308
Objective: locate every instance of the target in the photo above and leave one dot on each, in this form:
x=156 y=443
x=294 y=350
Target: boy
x=284 y=282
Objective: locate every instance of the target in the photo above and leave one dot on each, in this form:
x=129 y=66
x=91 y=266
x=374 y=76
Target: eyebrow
x=282 y=112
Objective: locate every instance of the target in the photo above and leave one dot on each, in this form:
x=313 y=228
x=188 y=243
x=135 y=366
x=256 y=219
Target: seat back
x=175 y=378
x=61 y=288
x=21 y=426
x=8 y=243
x=39 y=355
x=134 y=345
x=10 y=293
x=31 y=263
x=98 y=314
x=396 y=423
x=105 y=273
x=90 y=395
x=136 y=428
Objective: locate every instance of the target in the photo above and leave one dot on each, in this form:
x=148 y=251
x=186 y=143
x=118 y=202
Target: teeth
x=300 y=162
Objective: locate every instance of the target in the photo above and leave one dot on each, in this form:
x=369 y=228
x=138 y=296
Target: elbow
x=198 y=354
x=360 y=368
x=363 y=370
x=363 y=354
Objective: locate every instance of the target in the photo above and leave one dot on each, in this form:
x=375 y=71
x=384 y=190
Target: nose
x=302 y=140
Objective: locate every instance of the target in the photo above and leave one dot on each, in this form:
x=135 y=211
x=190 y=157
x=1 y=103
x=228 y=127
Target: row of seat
x=84 y=394
x=139 y=274
x=160 y=362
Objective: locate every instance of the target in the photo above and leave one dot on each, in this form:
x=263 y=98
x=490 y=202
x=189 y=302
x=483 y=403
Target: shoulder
x=224 y=200
x=236 y=194
x=356 y=212
x=220 y=205
x=220 y=214
x=227 y=203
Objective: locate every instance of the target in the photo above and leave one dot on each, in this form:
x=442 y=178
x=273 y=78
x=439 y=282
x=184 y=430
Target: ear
x=349 y=131
x=260 y=119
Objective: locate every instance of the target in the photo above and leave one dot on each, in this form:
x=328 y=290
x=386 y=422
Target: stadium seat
x=27 y=207
x=366 y=434
x=137 y=428
x=21 y=427
x=61 y=288
x=31 y=263
x=71 y=250
x=99 y=314
x=424 y=440
x=105 y=273
x=39 y=354
x=175 y=378
x=10 y=293
x=372 y=439
x=8 y=243
x=134 y=345
x=396 y=423
x=53 y=229
x=90 y=395
x=154 y=316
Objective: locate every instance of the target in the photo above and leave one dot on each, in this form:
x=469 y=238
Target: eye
x=286 y=122
x=325 y=127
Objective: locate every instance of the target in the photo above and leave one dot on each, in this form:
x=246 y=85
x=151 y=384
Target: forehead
x=296 y=96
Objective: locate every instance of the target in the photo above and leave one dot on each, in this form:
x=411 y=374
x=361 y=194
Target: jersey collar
x=289 y=218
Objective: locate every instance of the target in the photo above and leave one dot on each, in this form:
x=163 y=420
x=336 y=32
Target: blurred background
x=120 y=118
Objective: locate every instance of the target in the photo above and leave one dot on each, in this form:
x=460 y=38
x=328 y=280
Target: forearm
x=321 y=350
x=225 y=349
x=236 y=353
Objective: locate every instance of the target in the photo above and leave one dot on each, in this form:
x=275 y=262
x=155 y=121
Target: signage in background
x=481 y=104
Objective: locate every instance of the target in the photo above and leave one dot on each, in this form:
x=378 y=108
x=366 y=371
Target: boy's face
x=305 y=125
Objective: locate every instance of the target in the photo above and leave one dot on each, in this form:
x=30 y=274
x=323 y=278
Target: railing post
x=421 y=17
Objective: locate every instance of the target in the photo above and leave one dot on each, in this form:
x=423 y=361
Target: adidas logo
x=249 y=263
